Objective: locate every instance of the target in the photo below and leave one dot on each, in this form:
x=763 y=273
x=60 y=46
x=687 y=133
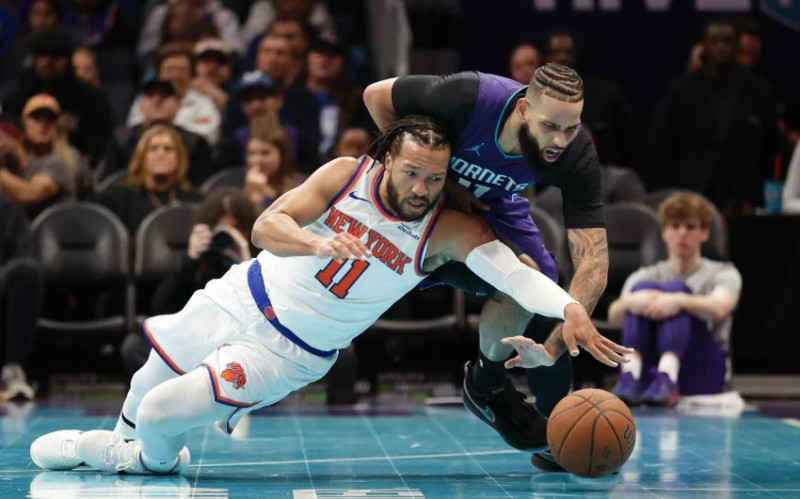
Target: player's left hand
x=529 y=353
x=579 y=330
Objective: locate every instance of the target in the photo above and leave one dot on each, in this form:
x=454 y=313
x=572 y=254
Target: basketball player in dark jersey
x=509 y=137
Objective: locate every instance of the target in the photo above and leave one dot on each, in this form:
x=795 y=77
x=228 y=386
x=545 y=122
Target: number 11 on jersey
x=342 y=287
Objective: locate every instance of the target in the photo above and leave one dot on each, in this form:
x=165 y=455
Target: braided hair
x=557 y=81
x=422 y=129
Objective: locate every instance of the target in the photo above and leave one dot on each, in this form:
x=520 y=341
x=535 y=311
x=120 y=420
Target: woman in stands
x=270 y=166
x=156 y=177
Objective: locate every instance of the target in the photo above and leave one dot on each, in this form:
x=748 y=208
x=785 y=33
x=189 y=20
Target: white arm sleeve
x=495 y=263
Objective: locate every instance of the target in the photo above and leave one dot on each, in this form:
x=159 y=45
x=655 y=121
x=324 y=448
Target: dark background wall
x=639 y=49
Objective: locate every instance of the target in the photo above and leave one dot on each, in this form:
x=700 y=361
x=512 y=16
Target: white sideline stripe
x=792 y=422
x=355 y=459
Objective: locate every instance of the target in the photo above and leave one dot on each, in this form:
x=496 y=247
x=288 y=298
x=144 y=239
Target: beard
x=396 y=204
x=532 y=153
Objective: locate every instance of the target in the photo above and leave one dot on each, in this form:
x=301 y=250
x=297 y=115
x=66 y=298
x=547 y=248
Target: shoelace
x=121 y=453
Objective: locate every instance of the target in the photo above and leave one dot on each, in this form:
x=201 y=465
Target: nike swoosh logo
x=353 y=195
x=487 y=413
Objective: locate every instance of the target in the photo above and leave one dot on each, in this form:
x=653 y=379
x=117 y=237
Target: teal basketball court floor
x=414 y=452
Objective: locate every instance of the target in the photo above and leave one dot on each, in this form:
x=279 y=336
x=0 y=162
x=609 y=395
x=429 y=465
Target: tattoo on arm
x=589 y=251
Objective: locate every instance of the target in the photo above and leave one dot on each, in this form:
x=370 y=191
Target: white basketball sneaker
x=111 y=452
x=57 y=450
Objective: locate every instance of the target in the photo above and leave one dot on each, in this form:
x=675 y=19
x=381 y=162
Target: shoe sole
x=545 y=464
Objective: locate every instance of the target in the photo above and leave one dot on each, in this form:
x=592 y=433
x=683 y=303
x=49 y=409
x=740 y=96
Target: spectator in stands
x=85 y=65
x=300 y=107
x=219 y=238
x=158 y=104
x=606 y=109
x=21 y=286
x=270 y=166
x=197 y=112
x=293 y=27
x=695 y=60
x=213 y=71
x=353 y=141
x=86 y=113
x=177 y=20
x=225 y=22
x=791 y=188
x=715 y=131
x=157 y=176
x=260 y=99
x=677 y=314
x=262 y=12
x=99 y=24
x=340 y=103
x=524 y=60
x=751 y=45
x=46 y=171
x=42 y=15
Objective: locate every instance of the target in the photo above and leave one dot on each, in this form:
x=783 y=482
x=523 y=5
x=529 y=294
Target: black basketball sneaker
x=520 y=424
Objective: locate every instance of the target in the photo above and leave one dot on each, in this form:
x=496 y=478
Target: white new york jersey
x=327 y=304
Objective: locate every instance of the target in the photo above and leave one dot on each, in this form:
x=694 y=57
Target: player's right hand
x=579 y=330
x=461 y=198
x=343 y=246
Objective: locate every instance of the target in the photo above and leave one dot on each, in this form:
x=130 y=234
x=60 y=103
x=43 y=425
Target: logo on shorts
x=234 y=373
x=269 y=313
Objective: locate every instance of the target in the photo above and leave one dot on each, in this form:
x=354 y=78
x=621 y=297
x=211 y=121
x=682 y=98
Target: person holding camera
x=219 y=239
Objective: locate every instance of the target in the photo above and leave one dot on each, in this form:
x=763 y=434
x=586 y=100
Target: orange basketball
x=591 y=433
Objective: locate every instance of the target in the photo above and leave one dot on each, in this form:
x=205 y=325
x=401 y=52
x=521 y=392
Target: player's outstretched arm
x=279 y=229
x=467 y=239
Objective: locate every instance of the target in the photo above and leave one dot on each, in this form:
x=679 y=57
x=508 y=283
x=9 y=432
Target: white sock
x=634 y=366
x=670 y=364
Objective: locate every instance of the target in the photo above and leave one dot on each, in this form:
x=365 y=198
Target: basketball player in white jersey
x=338 y=251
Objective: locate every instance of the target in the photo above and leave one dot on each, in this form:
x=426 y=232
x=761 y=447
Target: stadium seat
x=229 y=177
x=83 y=248
x=161 y=241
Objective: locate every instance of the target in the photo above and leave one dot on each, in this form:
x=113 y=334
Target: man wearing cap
x=40 y=177
x=260 y=99
x=212 y=69
x=86 y=113
x=197 y=112
x=158 y=104
x=340 y=103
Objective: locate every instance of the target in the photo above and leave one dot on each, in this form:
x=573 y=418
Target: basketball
x=591 y=433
